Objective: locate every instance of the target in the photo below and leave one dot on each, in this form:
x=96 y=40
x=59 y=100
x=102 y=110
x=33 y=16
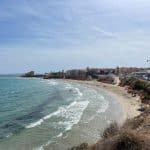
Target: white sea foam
x=104 y=106
x=39 y=148
x=91 y=118
x=39 y=122
x=102 y=97
x=60 y=135
x=52 y=114
x=78 y=92
x=52 y=82
x=9 y=135
x=35 y=124
x=42 y=146
x=68 y=86
x=71 y=113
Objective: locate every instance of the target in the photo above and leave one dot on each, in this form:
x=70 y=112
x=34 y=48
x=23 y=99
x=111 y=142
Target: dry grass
x=134 y=123
x=128 y=140
x=83 y=146
x=112 y=130
x=124 y=140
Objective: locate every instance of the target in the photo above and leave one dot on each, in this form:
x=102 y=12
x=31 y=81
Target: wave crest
x=71 y=113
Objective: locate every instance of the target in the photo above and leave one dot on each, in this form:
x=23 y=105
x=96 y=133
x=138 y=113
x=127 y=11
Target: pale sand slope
x=129 y=104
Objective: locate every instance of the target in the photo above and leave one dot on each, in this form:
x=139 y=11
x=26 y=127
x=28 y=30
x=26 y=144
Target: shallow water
x=52 y=114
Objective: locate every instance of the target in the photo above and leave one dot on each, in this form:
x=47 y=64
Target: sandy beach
x=116 y=106
x=129 y=104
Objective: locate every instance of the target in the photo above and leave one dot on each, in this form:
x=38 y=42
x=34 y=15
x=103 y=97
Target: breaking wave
x=71 y=114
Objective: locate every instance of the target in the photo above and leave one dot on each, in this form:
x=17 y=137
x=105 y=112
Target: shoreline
x=92 y=123
x=128 y=108
x=128 y=103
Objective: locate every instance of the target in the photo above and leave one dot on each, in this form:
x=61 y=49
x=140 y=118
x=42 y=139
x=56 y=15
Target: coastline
x=94 y=120
x=90 y=125
x=128 y=103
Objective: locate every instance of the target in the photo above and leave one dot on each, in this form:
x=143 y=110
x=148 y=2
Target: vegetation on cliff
x=141 y=87
x=29 y=74
x=32 y=74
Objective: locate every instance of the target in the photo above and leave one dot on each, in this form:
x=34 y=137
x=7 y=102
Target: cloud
x=75 y=29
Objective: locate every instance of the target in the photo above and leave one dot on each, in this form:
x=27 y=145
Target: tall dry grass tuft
x=128 y=140
x=83 y=146
x=110 y=131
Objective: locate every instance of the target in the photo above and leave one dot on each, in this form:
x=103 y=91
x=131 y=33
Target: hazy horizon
x=67 y=34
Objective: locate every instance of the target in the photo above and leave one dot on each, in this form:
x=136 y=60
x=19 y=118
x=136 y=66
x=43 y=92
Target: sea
x=38 y=114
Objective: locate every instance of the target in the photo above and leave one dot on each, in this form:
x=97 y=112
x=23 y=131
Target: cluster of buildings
x=82 y=74
x=145 y=75
x=101 y=74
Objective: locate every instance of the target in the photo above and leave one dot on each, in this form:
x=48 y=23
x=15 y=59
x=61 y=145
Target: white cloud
x=87 y=31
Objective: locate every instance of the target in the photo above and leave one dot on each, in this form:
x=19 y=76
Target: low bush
x=141 y=86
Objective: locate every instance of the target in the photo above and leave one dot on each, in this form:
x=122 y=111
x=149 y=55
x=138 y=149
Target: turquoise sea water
x=51 y=114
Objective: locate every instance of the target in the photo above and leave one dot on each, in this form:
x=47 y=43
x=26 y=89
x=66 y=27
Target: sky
x=51 y=35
